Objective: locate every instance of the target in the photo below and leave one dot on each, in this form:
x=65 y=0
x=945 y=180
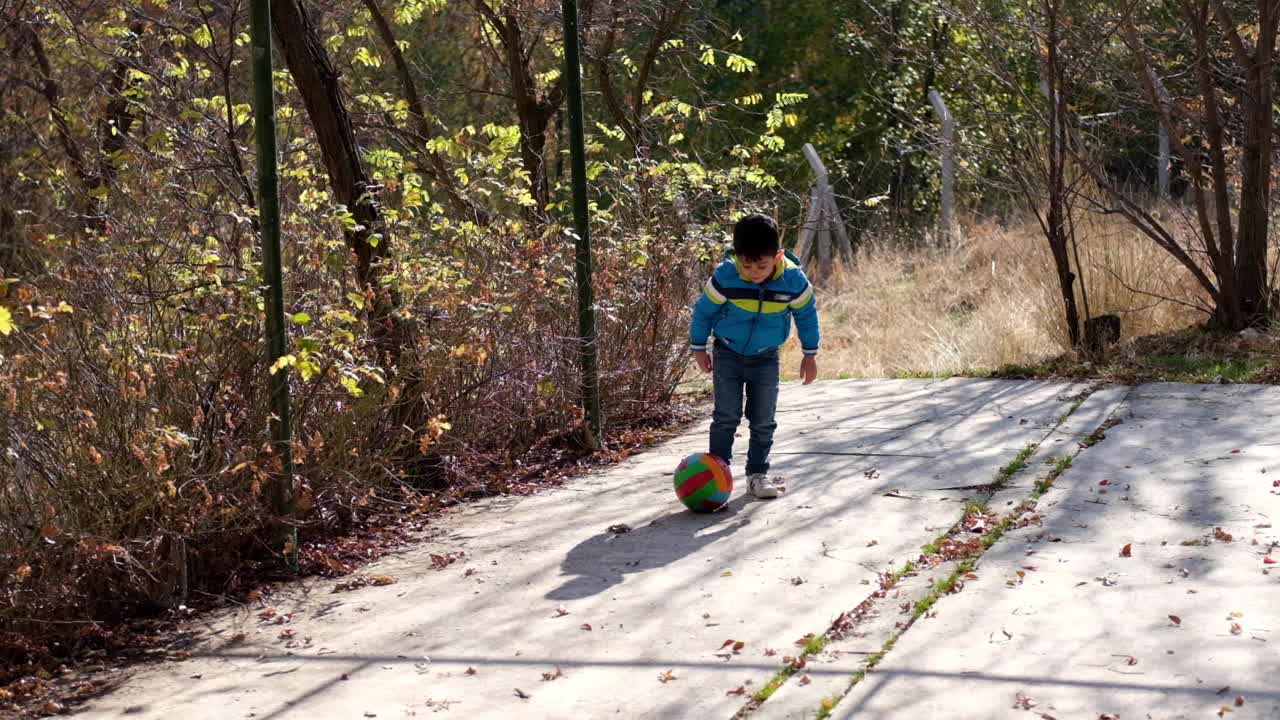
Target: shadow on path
x=602 y=561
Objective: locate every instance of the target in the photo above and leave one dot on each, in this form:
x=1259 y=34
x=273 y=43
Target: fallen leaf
x=1239 y=700
x=1222 y=535
x=1032 y=568
x=1236 y=629
x=381 y=580
x=1104 y=483
x=549 y=676
x=971 y=576
x=267 y=614
x=1108 y=716
x=1127 y=550
x=727 y=573
x=740 y=690
x=804 y=640
x=770 y=652
x=737 y=647
x=727 y=643
x=561 y=611
x=522 y=694
x=1175 y=619
x=1222 y=711
x=440 y=562
x=805 y=680
x=470 y=671
x=586 y=626
x=288 y=634
x=1269 y=560
x=797 y=581
x=666 y=677
x=1131 y=661
x=1022 y=701
x=1224 y=690
x=346 y=676
x=1235 y=452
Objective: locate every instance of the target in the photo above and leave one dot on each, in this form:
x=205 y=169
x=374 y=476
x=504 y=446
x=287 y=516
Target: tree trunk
x=368 y=239
x=317 y=81
x=1255 y=176
x=1056 y=220
x=533 y=112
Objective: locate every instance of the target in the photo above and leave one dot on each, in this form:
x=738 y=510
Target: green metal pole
x=586 y=296
x=269 y=221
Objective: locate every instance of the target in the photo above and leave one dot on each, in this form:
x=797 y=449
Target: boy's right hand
x=703 y=360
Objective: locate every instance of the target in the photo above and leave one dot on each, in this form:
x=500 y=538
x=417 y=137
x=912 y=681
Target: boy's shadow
x=600 y=562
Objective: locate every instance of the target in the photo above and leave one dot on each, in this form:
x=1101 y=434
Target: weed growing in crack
x=1016 y=465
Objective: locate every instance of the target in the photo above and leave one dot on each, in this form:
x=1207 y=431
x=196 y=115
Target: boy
x=748 y=304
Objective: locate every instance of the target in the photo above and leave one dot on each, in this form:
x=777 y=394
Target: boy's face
x=759 y=269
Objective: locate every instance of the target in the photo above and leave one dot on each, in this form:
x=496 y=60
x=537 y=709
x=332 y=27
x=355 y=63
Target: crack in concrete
x=955 y=530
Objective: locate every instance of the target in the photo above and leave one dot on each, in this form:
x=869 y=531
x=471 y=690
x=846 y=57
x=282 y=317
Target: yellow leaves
x=282 y=363
x=367 y=58
x=739 y=64
x=308 y=369
x=463 y=352
x=202 y=36
x=436 y=427
x=352 y=386
x=6 y=321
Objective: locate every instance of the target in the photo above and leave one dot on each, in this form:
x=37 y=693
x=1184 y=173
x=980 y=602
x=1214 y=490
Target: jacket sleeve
x=805 y=310
x=704 y=312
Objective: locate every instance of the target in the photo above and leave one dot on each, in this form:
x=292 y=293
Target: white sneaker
x=765 y=488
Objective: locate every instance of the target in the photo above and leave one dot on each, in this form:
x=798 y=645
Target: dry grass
x=991 y=303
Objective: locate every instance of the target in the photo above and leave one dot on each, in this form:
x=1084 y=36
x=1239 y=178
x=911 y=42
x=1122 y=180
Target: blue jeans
x=758 y=376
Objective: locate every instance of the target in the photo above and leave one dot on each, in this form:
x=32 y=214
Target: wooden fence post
x=947 y=230
x=823 y=234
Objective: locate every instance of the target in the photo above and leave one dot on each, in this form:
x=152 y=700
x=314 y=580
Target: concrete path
x=1150 y=596
x=547 y=613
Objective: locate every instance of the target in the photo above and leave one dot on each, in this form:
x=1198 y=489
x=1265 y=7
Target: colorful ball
x=703 y=482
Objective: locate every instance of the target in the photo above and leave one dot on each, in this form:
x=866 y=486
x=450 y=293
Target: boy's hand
x=809 y=369
x=703 y=360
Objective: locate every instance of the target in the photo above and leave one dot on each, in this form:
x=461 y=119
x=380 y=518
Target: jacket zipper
x=754 y=319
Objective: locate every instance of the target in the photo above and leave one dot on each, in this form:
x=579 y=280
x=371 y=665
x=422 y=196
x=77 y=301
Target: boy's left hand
x=809 y=368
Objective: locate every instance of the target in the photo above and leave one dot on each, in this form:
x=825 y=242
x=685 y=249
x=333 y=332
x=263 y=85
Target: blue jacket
x=751 y=318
